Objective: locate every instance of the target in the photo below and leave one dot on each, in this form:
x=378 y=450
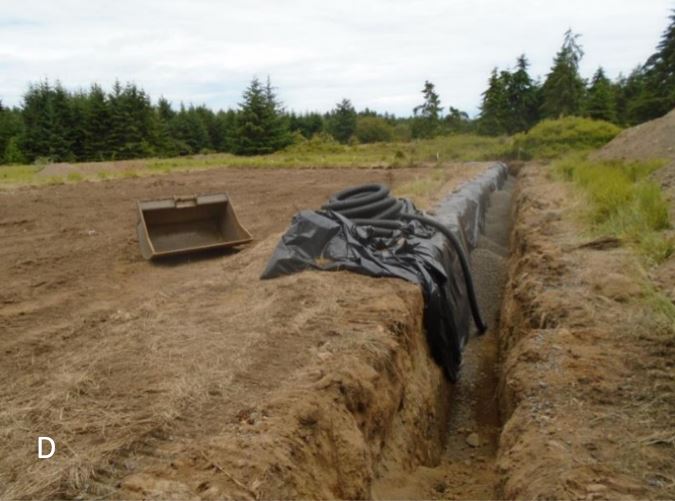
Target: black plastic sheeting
x=325 y=240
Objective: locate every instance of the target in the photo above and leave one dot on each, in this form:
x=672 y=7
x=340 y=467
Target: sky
x=378 y=53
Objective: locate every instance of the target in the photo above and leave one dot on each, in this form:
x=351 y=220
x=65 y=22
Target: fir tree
x=261 y=127
x=189 y=131
x=11 y=128
x=427 y=114
x=43 y=136
x=342 y=121
x=97 y=125
x=13 y=153
x=226 y=122
x=494 y=109
x=76 y=130
x=522 y=98
x=164 y=141
x=307 y=124
x=657 y=96
x=600 y=100
x=563 y=89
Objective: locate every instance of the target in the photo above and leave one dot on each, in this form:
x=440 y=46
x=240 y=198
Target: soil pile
x=653 y=139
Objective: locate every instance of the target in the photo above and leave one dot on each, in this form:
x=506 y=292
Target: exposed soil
x=650 y=140
x=587 y=388
x=192 y=378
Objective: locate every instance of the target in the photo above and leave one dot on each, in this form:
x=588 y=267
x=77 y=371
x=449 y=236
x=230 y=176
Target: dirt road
x=134 y=368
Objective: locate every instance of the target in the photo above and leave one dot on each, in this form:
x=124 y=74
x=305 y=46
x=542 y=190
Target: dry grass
x=311 y=154
x=424 y=190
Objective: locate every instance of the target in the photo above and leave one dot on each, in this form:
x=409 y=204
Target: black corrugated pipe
x=371 y=205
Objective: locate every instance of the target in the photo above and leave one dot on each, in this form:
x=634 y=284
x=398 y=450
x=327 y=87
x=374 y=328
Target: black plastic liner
x=326 y=240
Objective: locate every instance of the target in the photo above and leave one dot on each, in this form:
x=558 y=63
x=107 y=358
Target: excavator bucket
x=181 y=225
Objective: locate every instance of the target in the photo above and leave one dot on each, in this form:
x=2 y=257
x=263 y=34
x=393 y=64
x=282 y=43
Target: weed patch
x=623 y=201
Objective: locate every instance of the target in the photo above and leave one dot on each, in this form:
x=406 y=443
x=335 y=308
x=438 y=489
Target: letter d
x=41 y=455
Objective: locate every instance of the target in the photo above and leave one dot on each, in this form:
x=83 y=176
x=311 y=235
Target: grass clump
x=551 y=139
x=624 y=202
x=423 y=188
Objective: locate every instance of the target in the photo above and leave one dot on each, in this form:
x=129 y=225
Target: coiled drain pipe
x=371 y=205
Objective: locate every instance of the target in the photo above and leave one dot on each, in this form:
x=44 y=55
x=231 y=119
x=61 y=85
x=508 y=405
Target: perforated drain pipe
x=371 y=205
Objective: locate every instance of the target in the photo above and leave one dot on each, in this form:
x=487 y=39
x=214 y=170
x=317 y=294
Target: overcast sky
x=377 y=53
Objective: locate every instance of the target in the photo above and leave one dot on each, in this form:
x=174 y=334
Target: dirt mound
x=650 y=140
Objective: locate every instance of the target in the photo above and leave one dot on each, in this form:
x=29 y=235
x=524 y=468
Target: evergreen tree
x=164 y=141
x=563 y=89
x=522 y=98
x=261 y=127
x=11 y=128
x=97 y=125
x=189 y=131
x=494 y=108
x=342 y=121
x=13 y=153
x=76 y=132
x=44 y=115
x=226 y=123
x=61 y=134
x=428 y=113
x=132 y=125
x=657 y=96
x=208 y=118
x=307 y=124
x=600 y=101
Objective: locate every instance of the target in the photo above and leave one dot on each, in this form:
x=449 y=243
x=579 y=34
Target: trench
x=467 y=466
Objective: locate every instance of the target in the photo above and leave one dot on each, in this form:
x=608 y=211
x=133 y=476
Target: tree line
x=514 y=101
x=54 y=124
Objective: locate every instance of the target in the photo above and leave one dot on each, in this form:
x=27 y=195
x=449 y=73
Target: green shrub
x=402 y=133
x=554 y=138
x=320 y=142
x=373 y=130
x=13 y=153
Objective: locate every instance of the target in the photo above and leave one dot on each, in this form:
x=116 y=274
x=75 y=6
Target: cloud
x=377 y=53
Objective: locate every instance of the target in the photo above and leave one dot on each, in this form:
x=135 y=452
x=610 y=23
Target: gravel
x=489 y=258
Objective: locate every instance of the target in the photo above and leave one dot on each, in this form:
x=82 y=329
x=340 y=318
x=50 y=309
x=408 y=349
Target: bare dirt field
x=187 y=378
x=193 y=379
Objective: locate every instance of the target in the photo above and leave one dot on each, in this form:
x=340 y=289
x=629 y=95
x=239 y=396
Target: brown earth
x=587 y=387
x=650 y=140
x=192 y=378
